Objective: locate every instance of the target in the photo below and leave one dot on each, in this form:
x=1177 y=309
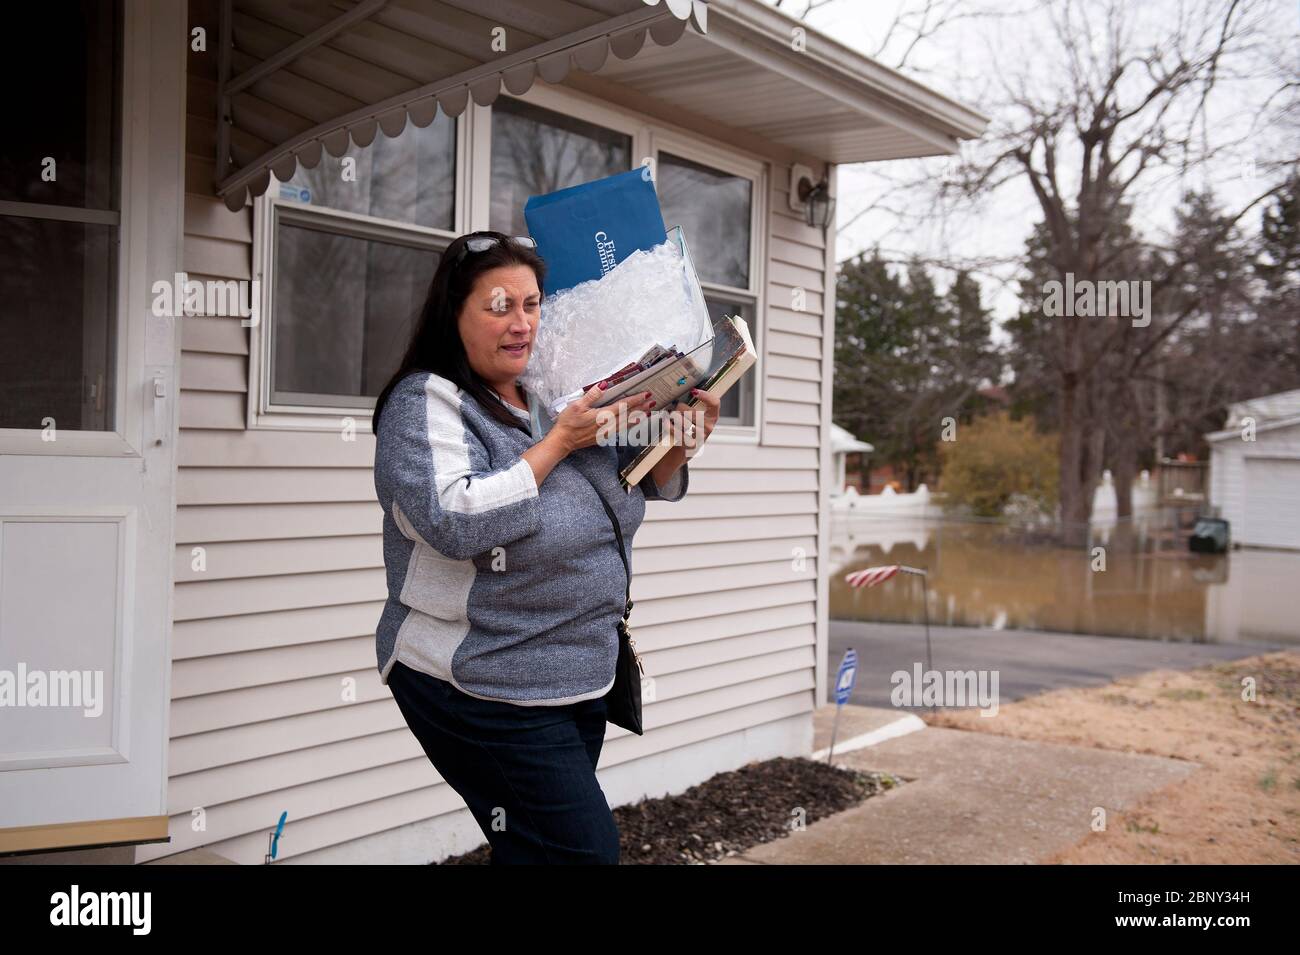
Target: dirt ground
x=1242 y=806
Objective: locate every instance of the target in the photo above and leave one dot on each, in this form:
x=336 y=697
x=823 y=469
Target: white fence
x=890 y=504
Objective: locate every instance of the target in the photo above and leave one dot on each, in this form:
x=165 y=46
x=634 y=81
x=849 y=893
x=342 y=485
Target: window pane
x=408 y=179
x=712 y=208
x=58 y=286
x=536 y=151
x=58 y=296
x=738 y=402
x=343 y=312
x=58 y=63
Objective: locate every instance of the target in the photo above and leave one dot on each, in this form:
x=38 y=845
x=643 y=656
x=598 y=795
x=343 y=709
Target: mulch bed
x=731 y=812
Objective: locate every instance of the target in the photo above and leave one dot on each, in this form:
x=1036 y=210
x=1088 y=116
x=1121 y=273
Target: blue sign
x=844 y=681
x=279 y=831
x=295 y=193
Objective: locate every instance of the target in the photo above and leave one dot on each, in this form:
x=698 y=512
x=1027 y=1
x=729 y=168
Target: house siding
x=280 y=618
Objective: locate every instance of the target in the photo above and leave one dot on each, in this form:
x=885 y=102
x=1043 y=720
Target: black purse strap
x=618 y=533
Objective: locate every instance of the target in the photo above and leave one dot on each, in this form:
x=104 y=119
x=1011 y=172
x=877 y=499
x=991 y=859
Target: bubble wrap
x=589 y=331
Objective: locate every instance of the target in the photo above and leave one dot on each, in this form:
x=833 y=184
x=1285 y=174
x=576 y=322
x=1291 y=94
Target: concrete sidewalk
x=972 y=797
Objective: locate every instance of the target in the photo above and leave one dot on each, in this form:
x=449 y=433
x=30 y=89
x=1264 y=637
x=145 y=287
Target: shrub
x=993 y=459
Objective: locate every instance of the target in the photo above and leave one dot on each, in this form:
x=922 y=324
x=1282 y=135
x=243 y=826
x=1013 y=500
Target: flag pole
x=870 y=576
x=925 y=609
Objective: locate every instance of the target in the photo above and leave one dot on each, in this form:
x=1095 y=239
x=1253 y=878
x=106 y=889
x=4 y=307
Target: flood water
x=992 y=575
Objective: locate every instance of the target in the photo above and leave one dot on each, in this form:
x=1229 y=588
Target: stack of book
x=583 y=233
x=731 y=355
x=663 y=371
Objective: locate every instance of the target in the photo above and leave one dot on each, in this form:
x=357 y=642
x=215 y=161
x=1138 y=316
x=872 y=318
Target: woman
x=499 y=636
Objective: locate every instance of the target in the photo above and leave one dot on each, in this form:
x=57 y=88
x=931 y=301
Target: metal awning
x=761 y=73
x=298 y=78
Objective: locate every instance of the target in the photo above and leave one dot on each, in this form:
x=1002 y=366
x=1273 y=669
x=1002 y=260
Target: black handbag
x=623 y=701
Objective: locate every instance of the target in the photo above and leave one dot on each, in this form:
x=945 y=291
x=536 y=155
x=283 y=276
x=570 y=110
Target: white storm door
x=91 y=205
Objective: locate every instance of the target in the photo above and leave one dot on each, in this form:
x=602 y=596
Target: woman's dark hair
x=436 y=344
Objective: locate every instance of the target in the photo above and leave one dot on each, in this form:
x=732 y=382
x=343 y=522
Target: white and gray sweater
x=507 y=590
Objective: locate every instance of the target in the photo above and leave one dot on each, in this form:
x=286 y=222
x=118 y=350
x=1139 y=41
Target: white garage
x=1272 y=498
x=1255 y=471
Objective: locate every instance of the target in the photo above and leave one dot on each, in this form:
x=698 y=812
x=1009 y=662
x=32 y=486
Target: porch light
x=818 y=204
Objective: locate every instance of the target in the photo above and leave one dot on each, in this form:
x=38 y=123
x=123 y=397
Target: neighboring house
x=204 y=529
x=886 y=476
x=843 y=443
x=1255 y=471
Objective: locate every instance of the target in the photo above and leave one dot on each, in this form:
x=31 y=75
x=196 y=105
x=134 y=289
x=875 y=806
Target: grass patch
x=1184 y=694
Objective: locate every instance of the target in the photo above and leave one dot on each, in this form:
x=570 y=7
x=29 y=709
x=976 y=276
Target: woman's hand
x=580 y=425
x=703 y=415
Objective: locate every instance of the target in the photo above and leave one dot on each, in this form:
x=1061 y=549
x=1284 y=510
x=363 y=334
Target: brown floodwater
x=992 y=575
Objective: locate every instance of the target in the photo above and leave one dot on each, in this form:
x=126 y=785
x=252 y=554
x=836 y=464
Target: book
x=584 y=231
x=666 y=379
x=732 y=354
x=664 y=371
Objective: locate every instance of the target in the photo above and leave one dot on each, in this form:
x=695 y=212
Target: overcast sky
x=965 y=61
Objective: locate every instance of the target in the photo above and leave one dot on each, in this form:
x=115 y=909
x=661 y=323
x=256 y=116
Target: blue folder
x=584 y=231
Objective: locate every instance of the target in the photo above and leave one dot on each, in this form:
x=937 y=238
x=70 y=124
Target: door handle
x=159 y=407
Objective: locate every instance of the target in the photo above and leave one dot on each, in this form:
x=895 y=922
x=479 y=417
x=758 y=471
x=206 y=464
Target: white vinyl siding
x=285 y=608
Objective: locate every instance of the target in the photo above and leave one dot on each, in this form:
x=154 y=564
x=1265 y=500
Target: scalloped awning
x=299 y=78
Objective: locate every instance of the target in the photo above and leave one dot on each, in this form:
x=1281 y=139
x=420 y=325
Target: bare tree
x=1111 y=104
x=1123 y=111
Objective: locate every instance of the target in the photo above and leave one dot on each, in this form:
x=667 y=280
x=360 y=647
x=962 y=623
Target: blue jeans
x=527 y=773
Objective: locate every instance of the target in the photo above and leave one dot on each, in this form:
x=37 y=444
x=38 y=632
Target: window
x=353 y=245
x=344 y=306
x=536 y=151
x=715 y=208
x=346 y=250
x=60 y=215
x=737 y=405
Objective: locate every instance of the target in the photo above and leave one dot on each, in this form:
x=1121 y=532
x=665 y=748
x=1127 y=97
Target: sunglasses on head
x=481 y=243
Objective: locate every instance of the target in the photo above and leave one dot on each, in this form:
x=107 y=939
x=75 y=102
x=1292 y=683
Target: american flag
x=870 y=576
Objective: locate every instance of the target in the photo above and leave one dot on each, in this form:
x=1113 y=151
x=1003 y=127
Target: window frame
x=138 y=186
x=649 y=135
x=269 y=210
x=557 y=100
x=733 y=162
